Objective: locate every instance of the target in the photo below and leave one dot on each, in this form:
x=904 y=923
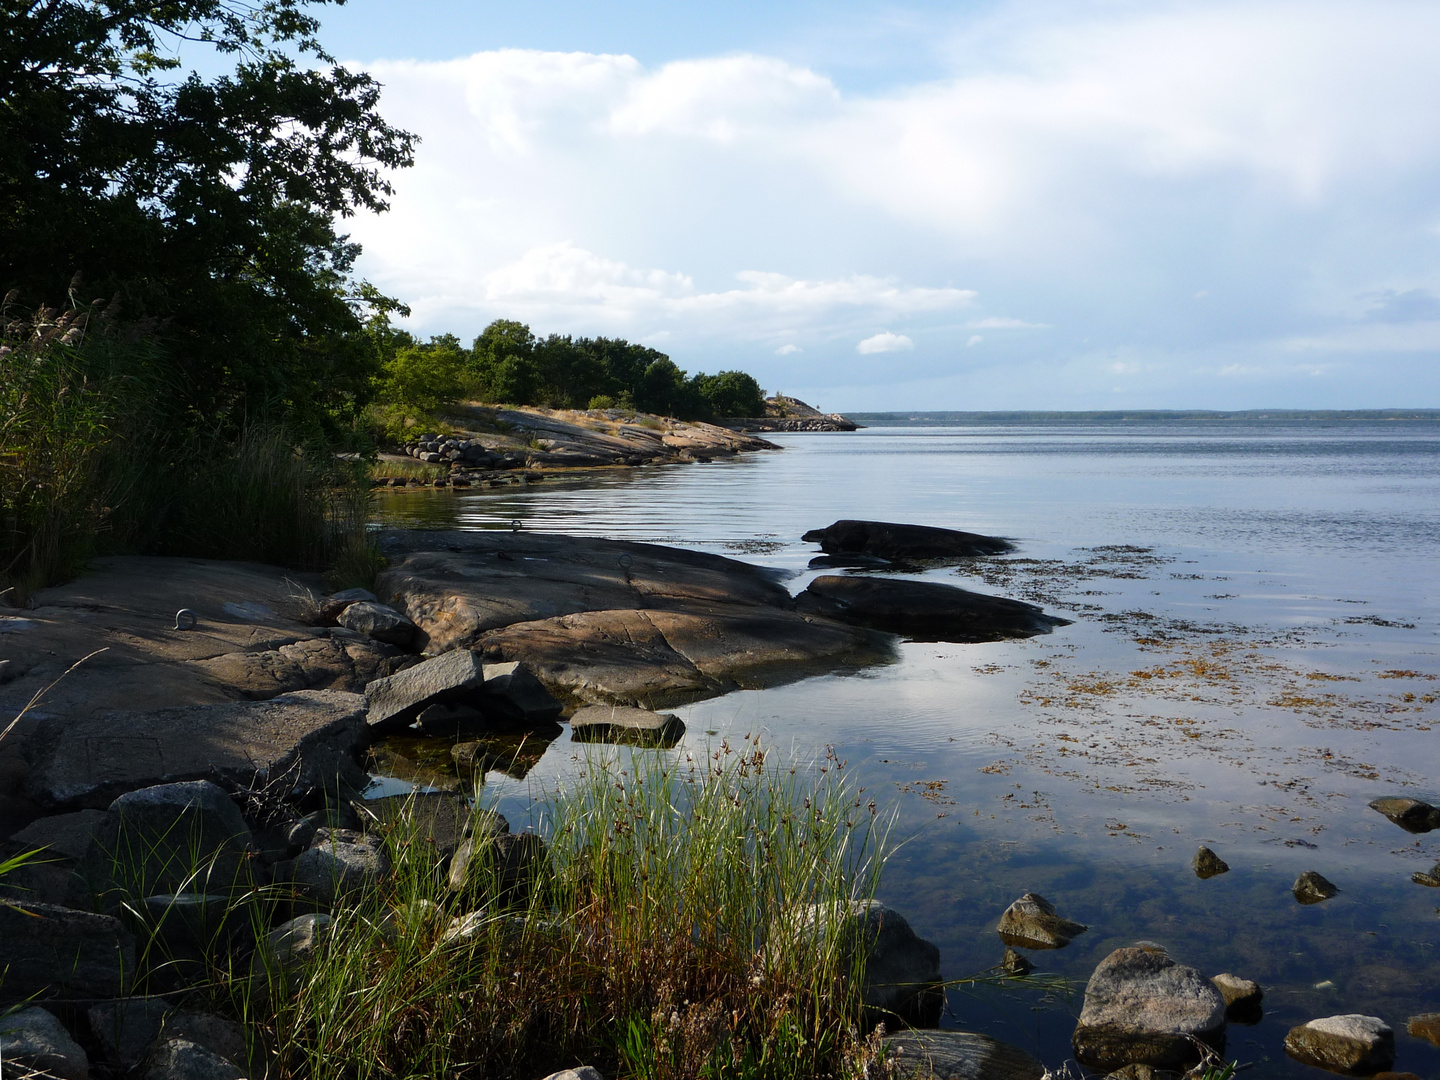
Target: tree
x=732 y=393
x=208 y=204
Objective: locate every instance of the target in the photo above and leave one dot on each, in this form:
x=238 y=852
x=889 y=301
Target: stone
x=923 y=610
x=187 y=930
x=61 y=840
x=437 y=819
x=182 y=837
x=1032 y=922
x=342 y=660
x=339 y=864
x=66 y=835
x=295 y=942
x=124 y=1030
x=1412 y=815
x=181 y=1059
x=311 y=738
x=1425 y=1026
x=394 y=702
x=1207 y=864
x=890 y=540
x=379 y=621
x=625 y=724
x=1350 y=1043
x=1142 y=1007
x=335 y=604
x=33 y=1039
x=466 y=928
x=511 y=690
x=59 y=952
x=501 y=866
x=1311 y=888
x=1016 y=964
x=959 y=1055
x=1149 y=1072
x=452 y=721
x=214 y=1033
x=1243 y=998
x=584 y=1072
x=901 y=969
x=1430 y=879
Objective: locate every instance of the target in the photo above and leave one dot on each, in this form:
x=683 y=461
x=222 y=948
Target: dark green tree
x=731 y=393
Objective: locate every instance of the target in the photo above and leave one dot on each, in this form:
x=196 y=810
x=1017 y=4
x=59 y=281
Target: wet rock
x=1412 y=815
x=33 y=1039
x=902 y=970
x=310 y=737
x=1430 y=878
x=379 y=621
x=624 y=724
x=1207 y=864
x=923 y=610
x=1351 y=1043
x=181 y=1059
x=1425 y=1026
x=502 y=866
x=852 y=562
x=338 y=865
x=511 y=691
x=452 y=721
x=59 y=952
x=1243 y=998
x=889 y=540
x=182 y=837
x=1311 y=888
x=959 y=1055
x=436 y=819
x=395 y=701
x=124 y=1030
x=1016 y=964
x=1032 y=922
x=334 y=605
x=1141 y=1007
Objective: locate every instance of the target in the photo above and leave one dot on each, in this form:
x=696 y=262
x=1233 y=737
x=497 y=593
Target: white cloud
x=996 y=322
x=788 y=350
x=973 y=340
x=884 y=342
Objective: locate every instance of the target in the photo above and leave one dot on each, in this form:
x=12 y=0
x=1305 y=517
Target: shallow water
x=1254 y=657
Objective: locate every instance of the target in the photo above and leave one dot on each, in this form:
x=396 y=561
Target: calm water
x=1254 y=657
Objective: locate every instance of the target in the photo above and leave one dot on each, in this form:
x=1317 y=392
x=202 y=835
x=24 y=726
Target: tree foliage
x=207 y=204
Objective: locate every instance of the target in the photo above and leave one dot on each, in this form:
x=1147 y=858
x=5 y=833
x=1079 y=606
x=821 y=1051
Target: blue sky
x=871 y=206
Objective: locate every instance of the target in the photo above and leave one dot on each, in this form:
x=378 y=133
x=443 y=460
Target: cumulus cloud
x=788 y=350
x=884 y=342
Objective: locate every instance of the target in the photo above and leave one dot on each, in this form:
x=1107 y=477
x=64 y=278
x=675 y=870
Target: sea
x=1253 y=656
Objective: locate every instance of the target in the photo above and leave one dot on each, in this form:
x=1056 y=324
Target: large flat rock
x=87 y=761
x=924 y=610
x=898 y=542
x=654 y=658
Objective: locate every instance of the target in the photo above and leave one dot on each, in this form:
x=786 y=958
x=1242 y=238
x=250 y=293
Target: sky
x=1086 y=204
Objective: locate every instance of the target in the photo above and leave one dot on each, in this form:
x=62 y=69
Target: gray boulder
x=32 y=1039
x=294 y=942
x=498 y=866
x=1412 y=815
x=959 y=1055
x=1032 y=922
x=584 y=1072
x=625 y=724
x=890 y=540
x=51 y=878
x=65 y=835
x=1207 y=864
x=216 y=1034
x=124 y=1030
x=1351 y=1043
x=1141 y=1007
x=1311 y=888
x=310 y=738
x=1243 y=998
x=436 y=819
x=379 y=621
x=181 y=1059
x=923 y=610
x=395 y=701
x=59 y=952
x=339 y=864
x=512 y=692
x=334 y=605
x=187 y=931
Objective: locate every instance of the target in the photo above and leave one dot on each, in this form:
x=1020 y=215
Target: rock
x=335 y=604
x=1243 y=998
x=1032 y=923
x=1412 y=815
x=891 y=541
x=1016 y=964
x=959 y=1055
x=466 y=928
x=343 y=660
x=1207 y=864
x=902 y=970
x=125 y=1029
x=1429 y=879
x=294 y=942
x=339 y=864
x=1311 y=888
x=379 y=621
x=310 y=738
x=584 y=1072
x=181 y=1059
x=1351 y=1043
x=452 y=721
x=1425 y=1026
x=1141 y=1007
x=214 y=1033
x=923 y=610
x=621 y=723
x=65 y=835
x=184 y=931
x=33 y=1039
x=59 y=952
x=1148 y=1072
x=61 y=839
x=852 y=562
x=510 y=690
x=437 y=819
x=395 y=701
x=497 y=865
x=168 y=838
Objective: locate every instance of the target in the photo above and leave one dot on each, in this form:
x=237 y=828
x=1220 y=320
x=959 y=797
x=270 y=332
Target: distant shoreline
x=915 y=418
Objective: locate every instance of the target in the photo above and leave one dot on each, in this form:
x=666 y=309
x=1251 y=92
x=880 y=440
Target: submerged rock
x=1430 y=879
x=1412 y=815
x=924 y=610
x=1243 y=998
x=1207 y=864
x=1311 y=888
x=959 y=1055
x=1033 y=923
x=889 y=540
x=1350 y=1043
x=1425 y=1026
x=1141 y=1007
x=620 y=723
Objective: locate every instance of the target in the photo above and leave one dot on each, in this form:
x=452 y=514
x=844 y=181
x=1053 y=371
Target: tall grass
x=654 y=939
